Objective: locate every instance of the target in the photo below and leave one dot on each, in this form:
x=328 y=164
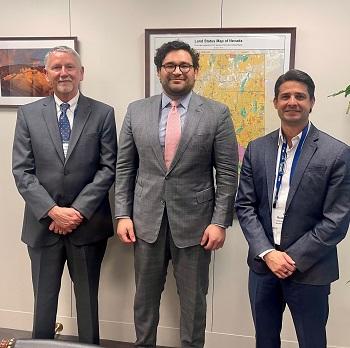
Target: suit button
x=162 y=202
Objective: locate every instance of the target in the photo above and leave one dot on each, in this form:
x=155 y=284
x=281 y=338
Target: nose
x=63 y=71
x=177 y=70
x=292 y=100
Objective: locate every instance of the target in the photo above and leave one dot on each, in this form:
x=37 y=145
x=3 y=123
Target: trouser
x=84 y=264
x=191 y=272
x=308 y=305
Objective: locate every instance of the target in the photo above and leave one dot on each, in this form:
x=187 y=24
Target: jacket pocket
x=205 y=195
x=138 y=189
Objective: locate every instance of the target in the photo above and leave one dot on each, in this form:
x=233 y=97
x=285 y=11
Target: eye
x=56 y=68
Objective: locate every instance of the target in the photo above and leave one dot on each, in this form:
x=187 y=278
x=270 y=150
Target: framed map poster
x=237 y=66
x=22 y=74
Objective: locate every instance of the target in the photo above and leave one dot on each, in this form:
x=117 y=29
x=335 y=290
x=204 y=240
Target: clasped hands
x=64 y=220
x=280 y=263
x=213 y=237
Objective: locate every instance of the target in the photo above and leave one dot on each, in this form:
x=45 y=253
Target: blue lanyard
x=282 y=163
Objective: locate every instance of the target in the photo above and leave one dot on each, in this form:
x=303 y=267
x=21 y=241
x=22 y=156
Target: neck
x=174 y=97
x=289 y=132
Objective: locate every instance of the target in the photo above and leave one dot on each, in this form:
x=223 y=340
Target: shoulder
x=265 y=140
x=37 y=105
x=95 y=104
x=141 y=103
x=327 y=145
x=209 y=103
x=327 y=140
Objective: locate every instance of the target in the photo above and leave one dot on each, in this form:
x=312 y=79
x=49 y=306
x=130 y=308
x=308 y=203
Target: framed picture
x=237 y=66
x=22 y=76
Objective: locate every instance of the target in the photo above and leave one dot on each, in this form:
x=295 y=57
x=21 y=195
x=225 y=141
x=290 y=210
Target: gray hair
x=64 y=49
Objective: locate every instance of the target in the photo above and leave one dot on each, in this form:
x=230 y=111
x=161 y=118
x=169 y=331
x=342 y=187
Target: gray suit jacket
x=317 y=209
x=144 y=187
x=81 y=180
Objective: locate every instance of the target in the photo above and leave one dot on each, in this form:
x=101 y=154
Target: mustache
x=65 y=80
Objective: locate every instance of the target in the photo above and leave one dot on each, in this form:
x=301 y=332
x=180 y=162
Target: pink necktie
x=172 y=134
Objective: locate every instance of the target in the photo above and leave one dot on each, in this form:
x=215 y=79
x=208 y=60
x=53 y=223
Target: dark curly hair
x=167 y=47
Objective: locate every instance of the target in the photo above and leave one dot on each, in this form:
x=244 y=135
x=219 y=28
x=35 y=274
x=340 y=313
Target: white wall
x=111 y=35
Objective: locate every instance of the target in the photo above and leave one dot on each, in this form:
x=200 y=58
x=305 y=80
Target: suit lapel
x=49 y=113
x=153 y=128
x=270 y=164
x=308 y=150
x=193 y=116
x=81 y=116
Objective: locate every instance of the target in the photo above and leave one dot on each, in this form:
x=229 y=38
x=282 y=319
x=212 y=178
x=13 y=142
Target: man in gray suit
x=293 y=205
x=64 y=156
x=167 y=204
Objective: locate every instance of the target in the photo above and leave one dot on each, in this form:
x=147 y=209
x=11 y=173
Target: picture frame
x=22 y=76
x=237 y=66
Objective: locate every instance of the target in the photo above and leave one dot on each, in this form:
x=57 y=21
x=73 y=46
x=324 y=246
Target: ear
x=275 y=102
x=312 y=104
x=46 y=75
x=82 y=73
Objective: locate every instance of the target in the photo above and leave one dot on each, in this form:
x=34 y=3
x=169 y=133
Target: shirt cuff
x=222 y=226
x=261 y=255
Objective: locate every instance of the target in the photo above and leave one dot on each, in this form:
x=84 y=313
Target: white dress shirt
x=278 y=212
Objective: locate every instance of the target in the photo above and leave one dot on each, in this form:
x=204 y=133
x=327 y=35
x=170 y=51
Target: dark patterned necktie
x=64 y=127
x=63 y=123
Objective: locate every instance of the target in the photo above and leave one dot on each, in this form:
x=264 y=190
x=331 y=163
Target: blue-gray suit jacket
x=44 y=177
x=144 y=187
x=317 y=209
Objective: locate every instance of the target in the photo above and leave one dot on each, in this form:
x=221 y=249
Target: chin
x=65 y=90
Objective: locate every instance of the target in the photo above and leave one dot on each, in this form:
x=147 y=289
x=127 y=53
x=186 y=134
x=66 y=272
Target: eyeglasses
x=184 y=68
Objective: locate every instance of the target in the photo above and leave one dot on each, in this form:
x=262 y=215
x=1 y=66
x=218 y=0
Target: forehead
x=178 y=56
x=62 y=58
x=291 y=87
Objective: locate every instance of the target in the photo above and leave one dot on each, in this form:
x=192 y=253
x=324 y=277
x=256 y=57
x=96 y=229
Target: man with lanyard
x=166 y=202
x=293 y=206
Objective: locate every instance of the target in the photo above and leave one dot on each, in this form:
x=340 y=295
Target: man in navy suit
x=293 y=206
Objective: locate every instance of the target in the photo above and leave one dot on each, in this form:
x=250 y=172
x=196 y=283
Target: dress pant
x=191 y=272
x=84 y=264
x=308 y=305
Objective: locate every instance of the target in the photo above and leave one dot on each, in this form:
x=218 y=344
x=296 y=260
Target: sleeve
x=332 y=228
x=246 y=208
x=126 y=169
x=23 y=168
x=226 y=170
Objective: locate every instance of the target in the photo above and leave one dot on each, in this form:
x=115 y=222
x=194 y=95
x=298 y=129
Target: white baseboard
x=119 y=331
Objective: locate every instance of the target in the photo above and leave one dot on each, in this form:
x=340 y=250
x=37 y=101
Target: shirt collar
x=72 y=103
x=184 y=101
x=295 y=140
